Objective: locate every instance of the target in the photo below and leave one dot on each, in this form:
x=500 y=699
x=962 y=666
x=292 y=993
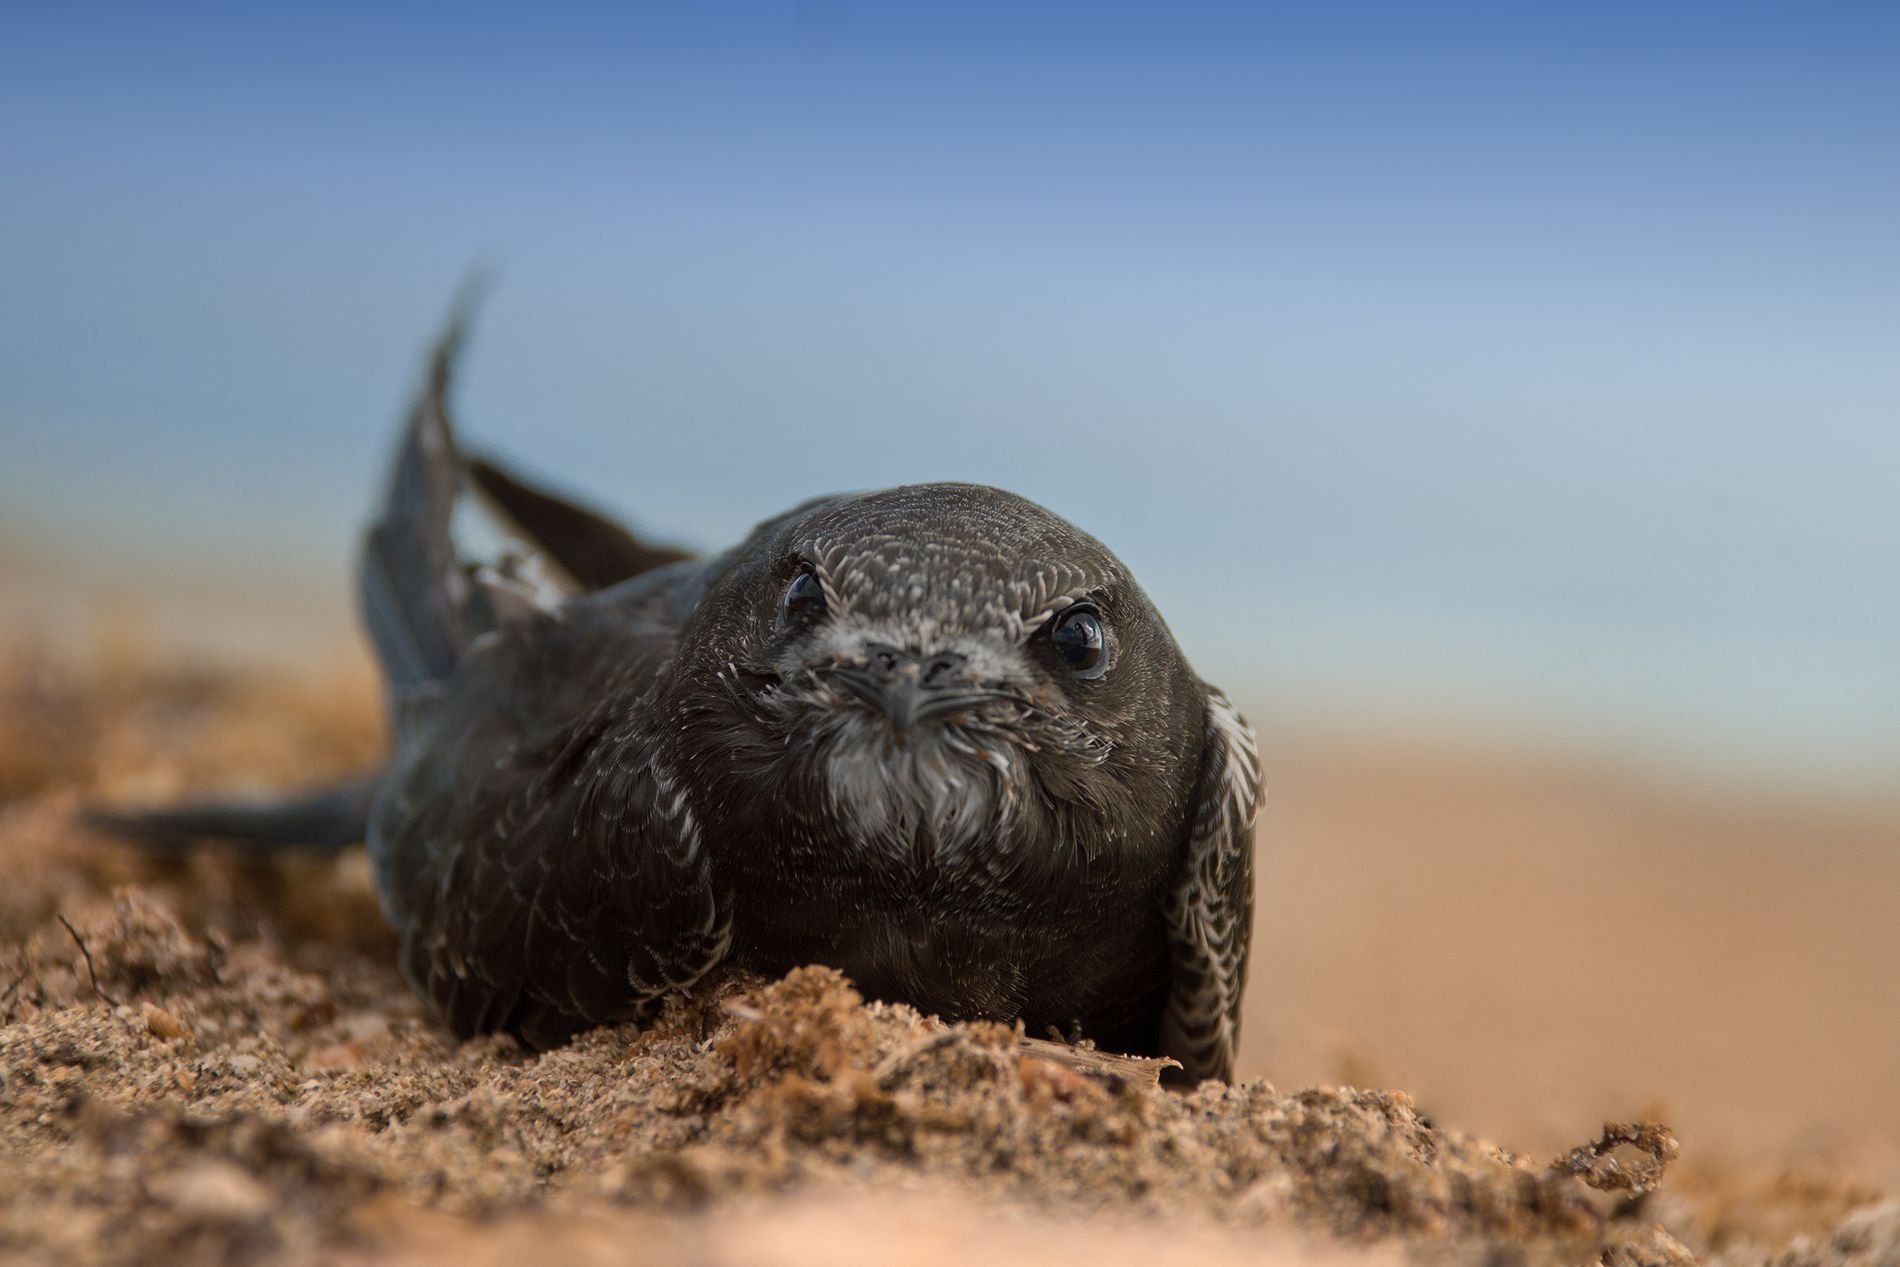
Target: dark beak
x=908 y=688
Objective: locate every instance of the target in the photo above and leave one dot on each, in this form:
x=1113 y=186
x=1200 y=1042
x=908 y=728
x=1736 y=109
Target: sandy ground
x=207 y=1061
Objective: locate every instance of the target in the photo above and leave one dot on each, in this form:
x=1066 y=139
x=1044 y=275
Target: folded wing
x=1210 y=911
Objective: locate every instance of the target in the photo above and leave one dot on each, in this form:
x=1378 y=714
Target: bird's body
x=934 y=736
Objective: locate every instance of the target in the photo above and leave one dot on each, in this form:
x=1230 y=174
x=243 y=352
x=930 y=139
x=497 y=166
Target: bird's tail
x=322 y=820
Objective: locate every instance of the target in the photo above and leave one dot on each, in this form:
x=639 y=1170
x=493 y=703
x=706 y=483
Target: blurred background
x=1504 y=403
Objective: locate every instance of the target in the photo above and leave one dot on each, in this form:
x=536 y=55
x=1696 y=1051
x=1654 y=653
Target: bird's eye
x=804 y=599
x=1080 y=640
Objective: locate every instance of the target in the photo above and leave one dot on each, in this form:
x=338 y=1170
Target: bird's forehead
x=957 y=554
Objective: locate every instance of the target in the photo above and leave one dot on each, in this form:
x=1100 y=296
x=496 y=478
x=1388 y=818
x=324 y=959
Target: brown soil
x=205 y=1060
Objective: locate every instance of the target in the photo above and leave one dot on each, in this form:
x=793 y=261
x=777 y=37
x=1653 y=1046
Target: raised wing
x=1210 y=909
x=543 y=872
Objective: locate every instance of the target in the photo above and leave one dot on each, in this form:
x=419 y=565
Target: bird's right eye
x=804 y=599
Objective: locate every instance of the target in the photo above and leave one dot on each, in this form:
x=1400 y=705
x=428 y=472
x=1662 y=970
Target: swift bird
x=933 y=736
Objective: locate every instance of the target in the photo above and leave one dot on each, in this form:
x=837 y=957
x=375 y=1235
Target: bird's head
x=938 y=670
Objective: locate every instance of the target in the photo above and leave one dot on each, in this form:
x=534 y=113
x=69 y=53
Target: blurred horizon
x=1526 y=367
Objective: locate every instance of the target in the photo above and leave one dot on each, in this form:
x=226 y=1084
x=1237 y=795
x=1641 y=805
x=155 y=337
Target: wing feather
x=1210 y=910
x=545 y=876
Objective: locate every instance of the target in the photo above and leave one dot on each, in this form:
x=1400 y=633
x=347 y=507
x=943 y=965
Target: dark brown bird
x=934 y=736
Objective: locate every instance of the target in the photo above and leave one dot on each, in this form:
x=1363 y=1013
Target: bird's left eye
x=1080 y=640
x=804 y=599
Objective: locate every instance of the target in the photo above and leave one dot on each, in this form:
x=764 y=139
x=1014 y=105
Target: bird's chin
x=926 y=793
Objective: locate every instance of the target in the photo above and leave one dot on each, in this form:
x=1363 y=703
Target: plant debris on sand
x=208 y=1061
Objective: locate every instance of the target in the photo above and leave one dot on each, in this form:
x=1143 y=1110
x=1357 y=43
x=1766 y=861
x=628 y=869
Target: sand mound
x=208 y=1099
x=204 y=1060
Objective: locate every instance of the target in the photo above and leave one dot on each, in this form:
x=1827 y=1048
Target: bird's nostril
x=884 y=661
x=940 y=669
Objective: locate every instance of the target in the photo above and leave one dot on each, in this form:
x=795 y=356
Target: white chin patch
x=910 y=794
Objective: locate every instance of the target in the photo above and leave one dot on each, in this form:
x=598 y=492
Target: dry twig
x=91 y=973
x=1100 y=1064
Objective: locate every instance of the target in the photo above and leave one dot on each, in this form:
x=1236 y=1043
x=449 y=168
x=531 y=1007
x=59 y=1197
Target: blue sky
x=1536 y=362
